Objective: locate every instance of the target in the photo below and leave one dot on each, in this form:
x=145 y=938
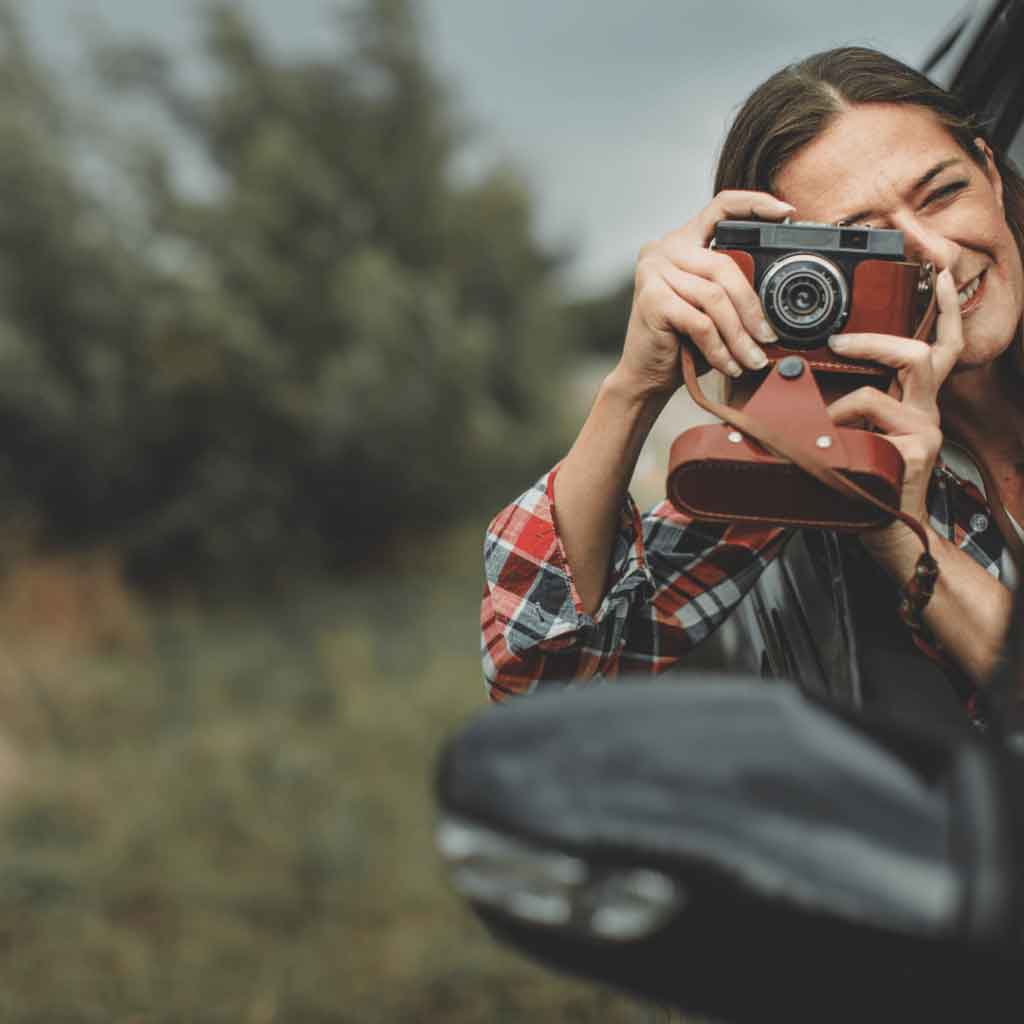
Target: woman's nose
x=923 y=244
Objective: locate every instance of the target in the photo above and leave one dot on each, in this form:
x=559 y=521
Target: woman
x=579 y=586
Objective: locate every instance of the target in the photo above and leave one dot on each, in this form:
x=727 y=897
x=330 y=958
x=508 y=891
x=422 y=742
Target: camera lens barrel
x=805 y=297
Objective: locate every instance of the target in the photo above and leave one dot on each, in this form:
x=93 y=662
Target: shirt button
x=979 y=522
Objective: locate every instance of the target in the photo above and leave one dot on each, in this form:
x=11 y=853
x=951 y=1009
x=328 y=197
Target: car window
x=991 y=78
x=1012 y=86
x=1016 y=148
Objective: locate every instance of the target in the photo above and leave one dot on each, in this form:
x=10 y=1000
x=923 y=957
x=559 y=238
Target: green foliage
x=331 y=344
x=598 y=322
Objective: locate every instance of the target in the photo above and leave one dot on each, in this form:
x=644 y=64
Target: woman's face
x=896 y=166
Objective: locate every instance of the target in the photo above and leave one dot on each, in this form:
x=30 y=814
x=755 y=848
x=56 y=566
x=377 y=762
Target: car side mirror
x=736 y=849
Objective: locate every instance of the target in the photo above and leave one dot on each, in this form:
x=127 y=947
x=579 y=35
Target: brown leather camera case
x=778 y=459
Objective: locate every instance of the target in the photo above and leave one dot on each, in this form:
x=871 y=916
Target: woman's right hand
x=684 y=288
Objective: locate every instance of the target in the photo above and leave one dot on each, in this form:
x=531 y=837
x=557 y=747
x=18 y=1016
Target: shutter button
x=791 y=367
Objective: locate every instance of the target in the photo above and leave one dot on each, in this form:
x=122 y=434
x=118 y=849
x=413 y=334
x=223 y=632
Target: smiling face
x=896 y=166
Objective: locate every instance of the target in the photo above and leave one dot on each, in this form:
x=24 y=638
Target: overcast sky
x=613 y=110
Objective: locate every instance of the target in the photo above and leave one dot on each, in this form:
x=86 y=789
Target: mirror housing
x=737 y=849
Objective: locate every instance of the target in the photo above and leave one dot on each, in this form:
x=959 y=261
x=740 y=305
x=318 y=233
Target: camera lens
x=804 y=297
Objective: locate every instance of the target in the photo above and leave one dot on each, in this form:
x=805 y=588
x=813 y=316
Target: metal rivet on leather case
x=791 y=367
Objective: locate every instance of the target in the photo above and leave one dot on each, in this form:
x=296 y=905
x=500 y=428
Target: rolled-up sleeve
x=671 y=582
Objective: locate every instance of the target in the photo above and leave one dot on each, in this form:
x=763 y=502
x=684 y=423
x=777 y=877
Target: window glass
x=1016 y=150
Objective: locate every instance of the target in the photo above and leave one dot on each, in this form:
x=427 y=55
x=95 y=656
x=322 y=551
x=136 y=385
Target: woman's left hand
x=908 y=414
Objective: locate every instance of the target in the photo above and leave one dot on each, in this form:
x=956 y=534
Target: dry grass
x=227 y=815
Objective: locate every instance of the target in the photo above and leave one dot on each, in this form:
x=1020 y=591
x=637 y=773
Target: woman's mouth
x=971 y=293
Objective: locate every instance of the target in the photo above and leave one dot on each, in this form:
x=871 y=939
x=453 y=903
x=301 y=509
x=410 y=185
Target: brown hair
x=798 y=103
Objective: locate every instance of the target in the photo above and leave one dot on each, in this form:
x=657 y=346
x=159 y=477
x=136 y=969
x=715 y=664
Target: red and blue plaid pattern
x=672 y=582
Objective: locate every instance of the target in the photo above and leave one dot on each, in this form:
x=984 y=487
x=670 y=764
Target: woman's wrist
x=618 y=424
x=900 y=553
x=625 y=385
x=896 y=548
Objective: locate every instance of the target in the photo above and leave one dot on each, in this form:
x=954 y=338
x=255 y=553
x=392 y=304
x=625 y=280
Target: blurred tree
x=70 y=314
x=334 y=343
x=598 y=322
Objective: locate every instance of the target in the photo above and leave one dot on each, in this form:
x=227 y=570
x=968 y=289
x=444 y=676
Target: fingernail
x=765 y=332
x=838 y=343
x=758 y=360
x=733 y=368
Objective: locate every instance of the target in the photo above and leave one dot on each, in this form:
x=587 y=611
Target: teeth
x=969 y=289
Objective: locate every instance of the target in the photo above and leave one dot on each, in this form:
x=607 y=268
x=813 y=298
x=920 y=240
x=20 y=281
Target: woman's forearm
x=970 y=609
x=970 y=613
x=592 y=481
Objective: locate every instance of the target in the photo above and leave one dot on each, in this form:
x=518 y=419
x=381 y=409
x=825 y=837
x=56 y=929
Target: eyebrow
x=932 y=172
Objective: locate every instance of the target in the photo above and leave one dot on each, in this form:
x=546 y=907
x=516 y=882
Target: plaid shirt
x=672 y=581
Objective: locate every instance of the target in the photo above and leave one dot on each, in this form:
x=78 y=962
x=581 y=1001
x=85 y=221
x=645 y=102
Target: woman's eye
x=945 y=192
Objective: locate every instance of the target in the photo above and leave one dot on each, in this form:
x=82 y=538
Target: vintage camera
x=816 y=280
x=777 y=457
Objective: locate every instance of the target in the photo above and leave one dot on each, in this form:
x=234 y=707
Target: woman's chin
x=986 y=338
x=971 y=359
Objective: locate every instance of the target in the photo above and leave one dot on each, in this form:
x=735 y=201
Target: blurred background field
x=252 y=431
x=225 y=814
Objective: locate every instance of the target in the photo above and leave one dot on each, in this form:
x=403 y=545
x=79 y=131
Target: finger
x=918 y=451
x=949 y=331
x=911 y=359
x=714 y=300
x=917 y=438
x=734 y=204
x=880 y=410
x=724 y=271
x=887 y=349
x=684 y=319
